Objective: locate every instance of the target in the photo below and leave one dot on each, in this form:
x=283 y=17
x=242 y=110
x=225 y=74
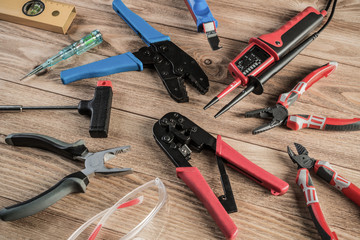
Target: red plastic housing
x=276 y=44
x=104 y=84
x=241 y=164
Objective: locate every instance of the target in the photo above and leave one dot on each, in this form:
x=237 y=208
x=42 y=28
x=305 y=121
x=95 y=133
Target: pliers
x=176 y=134
x=279 y=113
x=204 y=20
x=325 y=171
x=73 y=183
x=173 y=65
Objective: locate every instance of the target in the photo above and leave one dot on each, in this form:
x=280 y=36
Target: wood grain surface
x=140 y=99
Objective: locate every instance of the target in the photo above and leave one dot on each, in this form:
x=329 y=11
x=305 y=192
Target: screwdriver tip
x=212 y=102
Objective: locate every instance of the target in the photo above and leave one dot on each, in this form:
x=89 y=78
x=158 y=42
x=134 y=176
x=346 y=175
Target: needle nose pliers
x=325 y=171
x=279 y=113
x=73 y=183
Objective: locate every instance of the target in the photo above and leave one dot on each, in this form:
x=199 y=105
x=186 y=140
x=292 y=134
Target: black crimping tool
x=73 y=183
x=176 y=134
x=173 y=65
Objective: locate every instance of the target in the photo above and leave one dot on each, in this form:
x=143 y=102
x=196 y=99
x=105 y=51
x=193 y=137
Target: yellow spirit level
x=48 y=15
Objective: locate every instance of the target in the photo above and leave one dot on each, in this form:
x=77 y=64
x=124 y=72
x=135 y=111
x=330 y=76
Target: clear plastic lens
x=144 y=203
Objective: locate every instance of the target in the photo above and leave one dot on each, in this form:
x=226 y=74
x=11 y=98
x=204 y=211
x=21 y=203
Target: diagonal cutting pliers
x=279 y=113
x=173 y=65
x=73 y=183
x=325 y=171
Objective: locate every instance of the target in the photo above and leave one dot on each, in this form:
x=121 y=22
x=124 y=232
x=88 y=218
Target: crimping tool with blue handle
x=173 y=65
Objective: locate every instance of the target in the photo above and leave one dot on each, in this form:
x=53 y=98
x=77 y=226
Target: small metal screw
x=164 y=48
x=180 y=69
x=176 y=114
x=166 y=138
x=164 y=73
x=147 y=53
x=208 y=61
x=194 y=129
x=180 y=120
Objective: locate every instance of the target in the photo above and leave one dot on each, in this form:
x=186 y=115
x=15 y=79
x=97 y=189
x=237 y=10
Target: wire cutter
x=173 y=65
x=325 y=171
x=176 y=134
x=73 y=183
x=279 y=113
x=204 y=20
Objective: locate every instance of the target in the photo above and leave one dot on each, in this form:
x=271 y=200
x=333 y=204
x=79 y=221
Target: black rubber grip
x=99 y=109
x=69 y=150
x=348 y=127
x=72 y=183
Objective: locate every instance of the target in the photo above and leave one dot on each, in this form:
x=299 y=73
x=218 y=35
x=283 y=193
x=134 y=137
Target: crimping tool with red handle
x=176 y=134
x=269 y=53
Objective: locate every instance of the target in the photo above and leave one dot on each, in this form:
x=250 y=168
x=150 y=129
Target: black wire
x=330 y=17
x=328 y=5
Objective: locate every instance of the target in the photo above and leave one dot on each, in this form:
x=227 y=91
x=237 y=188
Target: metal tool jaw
x=177 y=135
x=302 y=159
x=95 y=162
x=174 y=67
x=278 y=115
x=212 y=37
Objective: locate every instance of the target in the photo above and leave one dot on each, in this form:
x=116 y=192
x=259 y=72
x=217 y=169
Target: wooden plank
x=140 y=99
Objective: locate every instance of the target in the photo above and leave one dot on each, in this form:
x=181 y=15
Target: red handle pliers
x=279 y=113
x=325 y=171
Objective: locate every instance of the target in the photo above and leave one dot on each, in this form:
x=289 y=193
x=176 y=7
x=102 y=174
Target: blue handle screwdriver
x=89 y=41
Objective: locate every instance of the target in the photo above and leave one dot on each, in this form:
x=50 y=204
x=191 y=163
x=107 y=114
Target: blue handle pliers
x=173 y=65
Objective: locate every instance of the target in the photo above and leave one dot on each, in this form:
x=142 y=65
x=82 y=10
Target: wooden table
x=140 y=99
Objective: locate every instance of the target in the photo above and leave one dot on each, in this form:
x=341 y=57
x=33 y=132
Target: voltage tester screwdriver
x=86 y=43
x=269 y=53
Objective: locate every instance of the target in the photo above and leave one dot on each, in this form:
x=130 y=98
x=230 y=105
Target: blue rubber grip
x=201 y=13
x=120 y=63
x=146 y=32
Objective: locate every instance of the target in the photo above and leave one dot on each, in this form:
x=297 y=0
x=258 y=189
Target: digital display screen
x=251 y=60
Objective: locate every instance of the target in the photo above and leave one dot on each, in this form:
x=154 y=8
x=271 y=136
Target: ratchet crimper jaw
x=278 y=115
x=174 y=67
x=302 y=159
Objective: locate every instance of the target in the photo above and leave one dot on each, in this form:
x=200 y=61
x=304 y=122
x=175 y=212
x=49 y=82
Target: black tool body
x=72 y=183
x=98 y=109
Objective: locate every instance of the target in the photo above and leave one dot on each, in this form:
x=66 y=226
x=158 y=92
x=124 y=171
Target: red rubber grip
x=287 y=99
x=303 y=179
x=275 y=37
x=324 y=170
x=243 y=165
x=353 y=193
x=196 y=182
x=297 y=122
